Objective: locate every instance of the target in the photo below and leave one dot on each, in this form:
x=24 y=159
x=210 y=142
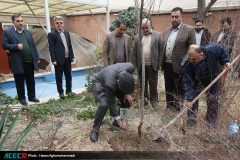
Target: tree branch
x=210 y=4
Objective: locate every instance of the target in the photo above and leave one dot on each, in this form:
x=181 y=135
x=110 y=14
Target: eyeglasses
x=59 y=22
x=194 y=60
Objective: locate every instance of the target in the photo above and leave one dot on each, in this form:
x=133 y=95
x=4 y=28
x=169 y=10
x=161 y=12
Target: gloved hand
x=122 y=125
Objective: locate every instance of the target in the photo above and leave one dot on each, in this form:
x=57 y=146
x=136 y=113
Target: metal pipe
x=35 y=15
x=48 y=29
x=97 y=21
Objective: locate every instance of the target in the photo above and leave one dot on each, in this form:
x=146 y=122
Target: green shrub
x=87 y=114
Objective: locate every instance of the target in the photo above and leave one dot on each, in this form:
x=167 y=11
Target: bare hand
x=228 y=66
x=122 y=125
x=20 y=46
x=128 y=98
x=160 y=68
x=73 y=60
x=38 y=62
x=54 y=63
x=188 y=104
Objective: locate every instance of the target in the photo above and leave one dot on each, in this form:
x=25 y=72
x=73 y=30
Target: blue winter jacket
x=204 y=72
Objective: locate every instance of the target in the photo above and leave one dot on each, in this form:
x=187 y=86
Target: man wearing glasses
x=199 y=71
x=61 y=53
x=24 y=58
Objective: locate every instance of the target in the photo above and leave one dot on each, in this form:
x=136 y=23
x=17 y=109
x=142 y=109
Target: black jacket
x=10 y=42
x=56 y=47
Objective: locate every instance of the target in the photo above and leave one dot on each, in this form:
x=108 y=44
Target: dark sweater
x=26 y=51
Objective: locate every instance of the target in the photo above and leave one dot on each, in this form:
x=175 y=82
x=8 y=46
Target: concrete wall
x=87 y=27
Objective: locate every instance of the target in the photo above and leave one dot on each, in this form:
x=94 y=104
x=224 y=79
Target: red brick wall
x=87 y=27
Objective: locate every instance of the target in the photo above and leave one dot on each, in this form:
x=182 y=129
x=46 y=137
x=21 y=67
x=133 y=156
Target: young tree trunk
x=143 y=70
x=202 y=10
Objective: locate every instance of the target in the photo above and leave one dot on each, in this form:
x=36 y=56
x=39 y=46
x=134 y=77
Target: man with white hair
x=61 y=53
x=152 y=43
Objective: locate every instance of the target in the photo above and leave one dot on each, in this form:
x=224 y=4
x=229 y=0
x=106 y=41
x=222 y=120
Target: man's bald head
x=146 y=26
x=195 y=54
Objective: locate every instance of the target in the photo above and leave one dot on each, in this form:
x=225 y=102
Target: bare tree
x=202 y=9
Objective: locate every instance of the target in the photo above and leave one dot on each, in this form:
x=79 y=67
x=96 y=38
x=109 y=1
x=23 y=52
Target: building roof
x=56 y=7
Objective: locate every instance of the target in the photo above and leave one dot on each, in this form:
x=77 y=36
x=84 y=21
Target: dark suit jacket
x=108 y=77
x=227 y=41
x=205 y=39
x=185 y=38
x=156 y=44
x=109 y=48
x=10 y=42
x=56 y=47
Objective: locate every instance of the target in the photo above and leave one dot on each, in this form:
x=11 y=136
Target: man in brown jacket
x=151 y=41
x=176 y=40
x=225 y=37
x=117 y=45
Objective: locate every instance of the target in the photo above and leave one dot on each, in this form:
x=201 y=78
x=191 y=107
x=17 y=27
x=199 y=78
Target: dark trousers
x=66 y=68
x=212 y=104
x=151 y=78
x=19 y=81
x=103 y=105
x=173 y=87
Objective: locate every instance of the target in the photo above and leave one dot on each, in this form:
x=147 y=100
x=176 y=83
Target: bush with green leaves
x=129 y=15
x=87 y=114
x=5 y=99
x=6 y=119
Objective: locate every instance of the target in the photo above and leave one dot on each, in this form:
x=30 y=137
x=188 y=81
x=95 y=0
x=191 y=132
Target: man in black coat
x=113 y=81
x=24 y=58
x=61 y=53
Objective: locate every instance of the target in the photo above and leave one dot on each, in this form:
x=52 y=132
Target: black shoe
x=115 y=124
x=62 y=96
x=23 y=102
x=94 y=136
x=70 y=93
x=34 y=99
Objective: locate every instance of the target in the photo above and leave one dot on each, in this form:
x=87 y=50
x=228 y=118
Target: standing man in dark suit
x=61 y=52
x=176 y=40
x=24 y=58
x=151 y=41
x=117 y=45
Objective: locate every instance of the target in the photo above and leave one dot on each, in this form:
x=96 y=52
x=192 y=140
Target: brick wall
x=87 y=27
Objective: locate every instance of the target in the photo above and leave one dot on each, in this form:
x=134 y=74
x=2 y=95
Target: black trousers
x=66 y=68
x=100 y=96
x=151 y=78
x=19 y=81
x=173 y=87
